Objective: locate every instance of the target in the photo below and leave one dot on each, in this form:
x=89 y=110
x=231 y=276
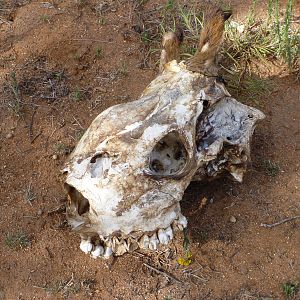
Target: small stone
x=40 y=212
x=233 y=219
x=54 y=157
x=244 y=270
x=9 y=135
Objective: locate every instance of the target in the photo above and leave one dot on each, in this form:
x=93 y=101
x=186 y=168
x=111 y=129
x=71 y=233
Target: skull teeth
x=169 y=232
x=99 y=250
x=107 y=246
x=144 y=242
x=181 y=223
x=108 y=252
x=153 y=242
x=163 y=237
x=86 y=246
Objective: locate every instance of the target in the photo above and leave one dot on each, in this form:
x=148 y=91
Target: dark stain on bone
x=98 y=155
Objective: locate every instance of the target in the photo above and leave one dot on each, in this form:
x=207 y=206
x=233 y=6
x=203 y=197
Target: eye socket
x=169 y=156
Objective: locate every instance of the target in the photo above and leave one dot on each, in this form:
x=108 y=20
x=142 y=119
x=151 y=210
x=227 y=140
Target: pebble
x=40 y=212
x=233 y=219
x=9 y=135
x=54 y=157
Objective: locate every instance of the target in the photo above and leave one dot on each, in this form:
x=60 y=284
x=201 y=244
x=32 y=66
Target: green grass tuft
x=17 y=240
x=14 y=103
x=290 y=288
x=62 y=149
x=30 y=195
x=99 y=53
x=271 y=168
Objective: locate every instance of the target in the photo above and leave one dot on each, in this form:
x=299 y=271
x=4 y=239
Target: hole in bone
x=77 y=200
x=100 y=165
x=98 y=155
x=169 y=155
x=226 y=121
x=205 y=103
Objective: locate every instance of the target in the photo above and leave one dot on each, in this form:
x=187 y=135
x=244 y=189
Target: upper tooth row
x=163 y=236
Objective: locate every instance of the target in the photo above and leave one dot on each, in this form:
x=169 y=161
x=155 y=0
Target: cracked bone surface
x=128 y=173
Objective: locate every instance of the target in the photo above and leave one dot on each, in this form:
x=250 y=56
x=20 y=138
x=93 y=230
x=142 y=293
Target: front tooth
x=99 y=250
x=86 y=246
x=108 y=252
x=153 y=242
x=183 y=221
x=144 y=242
x=162 y=236
x=119 y=247
x=169 y=232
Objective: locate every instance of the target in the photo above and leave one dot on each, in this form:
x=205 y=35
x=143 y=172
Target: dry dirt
x=72 y=60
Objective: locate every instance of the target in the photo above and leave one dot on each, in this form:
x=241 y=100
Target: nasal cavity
x=77 y=200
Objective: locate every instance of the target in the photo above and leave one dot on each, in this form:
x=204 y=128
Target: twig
x=39 y=287
x=58 y=209
x=162 y=273
x=31 y=217
x=196 y=276
x=92 y=40
x=78 y=123
x=35 y=137
x=31 y=125
x=279 y=222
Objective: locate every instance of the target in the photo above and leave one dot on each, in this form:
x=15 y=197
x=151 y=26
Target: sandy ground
x=74 y=59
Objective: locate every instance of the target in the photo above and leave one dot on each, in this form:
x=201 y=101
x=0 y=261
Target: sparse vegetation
x=290 y=288
x=99 y=53
x=186 y=260
x=77 y=94
x=271 y=168
x=29 y=194
x=102 y=21
x=62 y=149
x=123 y=69
x=247 y=45
x=17 y=241
x=71 y=287
x=45 y=18
x=13 y=93
x=81 y=3
x=78 y=134
x=145 y=37
x=170 y=4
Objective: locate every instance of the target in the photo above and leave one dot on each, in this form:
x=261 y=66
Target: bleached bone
x=128 y=173
x=153 y=242
x=162 y=237
x=99 y=250
x=169 y=232
x=86 y=246
x=144 y=242
x=107 y=252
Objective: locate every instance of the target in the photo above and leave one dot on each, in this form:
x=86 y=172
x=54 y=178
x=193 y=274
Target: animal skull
x=128 y=173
